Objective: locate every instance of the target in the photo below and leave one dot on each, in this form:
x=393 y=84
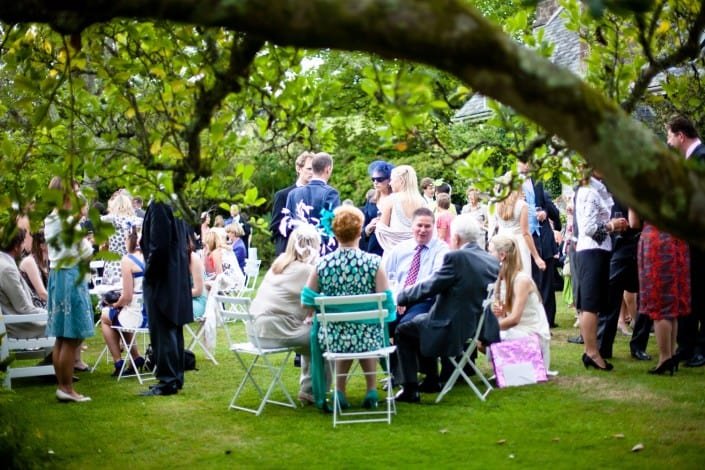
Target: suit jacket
x=699 y=153
x=15 y=299
x=460 y=286
x=167 y=283
x=277 y=216
x=316 y=194
x=546 y=246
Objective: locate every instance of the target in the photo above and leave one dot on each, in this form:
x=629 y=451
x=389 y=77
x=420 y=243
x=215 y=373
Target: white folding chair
x=127 y=359
x=221 y=285
x=10 y=345
x=198 y=338
x=251 y=272
x=346 y=308
x=236 y=309
x=466 y=360
x=103 y=354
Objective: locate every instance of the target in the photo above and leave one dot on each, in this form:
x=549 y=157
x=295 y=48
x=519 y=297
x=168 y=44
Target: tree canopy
x=159 y=82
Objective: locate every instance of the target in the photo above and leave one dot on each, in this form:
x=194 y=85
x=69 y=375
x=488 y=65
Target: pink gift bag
x=518 y=362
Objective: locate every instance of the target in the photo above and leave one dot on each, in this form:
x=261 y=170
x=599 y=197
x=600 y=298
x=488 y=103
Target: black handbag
x=110 y=297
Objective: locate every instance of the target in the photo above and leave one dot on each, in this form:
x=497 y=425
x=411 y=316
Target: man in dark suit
x=167 y=293
x=303 y=176
x=683 y=136
x=316 y=195
x=624 y=276
x=542 y=212
x=460 y=286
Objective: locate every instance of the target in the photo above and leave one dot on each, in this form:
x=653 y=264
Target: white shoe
x=552 y=373
x=67 y=397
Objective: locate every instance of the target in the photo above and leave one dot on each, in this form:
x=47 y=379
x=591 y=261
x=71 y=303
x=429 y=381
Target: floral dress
x=116 y=244
x=349 y=272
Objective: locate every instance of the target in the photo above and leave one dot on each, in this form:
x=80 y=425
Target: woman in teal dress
x=69 y=306
x=349 y=271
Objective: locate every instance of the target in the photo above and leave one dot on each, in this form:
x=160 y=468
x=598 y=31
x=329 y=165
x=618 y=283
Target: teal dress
x=199 y=303
x=345 y=272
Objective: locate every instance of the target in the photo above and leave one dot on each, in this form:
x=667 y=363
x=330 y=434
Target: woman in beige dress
x=280 y=320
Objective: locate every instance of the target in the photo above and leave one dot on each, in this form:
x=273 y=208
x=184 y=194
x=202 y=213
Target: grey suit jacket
x=15 y=299
x=460 y=286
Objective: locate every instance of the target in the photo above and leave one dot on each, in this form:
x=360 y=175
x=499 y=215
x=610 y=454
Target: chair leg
x=128 y=359
x=450 y=383
x=104 y=352
x=458 y=371
x=275 y=374
x=336 y=402
x=197 y=340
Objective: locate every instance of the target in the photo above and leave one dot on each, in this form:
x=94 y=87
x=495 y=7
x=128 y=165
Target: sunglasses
x=379 y=179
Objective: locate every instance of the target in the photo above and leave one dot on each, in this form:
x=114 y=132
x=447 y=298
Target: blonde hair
x=409 y=185
x=510 y=267
x=121 y=204
x=235 y=229
x=303 y=245
x=505 y=209
x=347 y=223
x=213 y=241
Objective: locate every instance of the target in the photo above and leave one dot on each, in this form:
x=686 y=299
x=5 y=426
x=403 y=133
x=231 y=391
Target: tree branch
x=451 y=36
x=242 y=53
x=687 y=50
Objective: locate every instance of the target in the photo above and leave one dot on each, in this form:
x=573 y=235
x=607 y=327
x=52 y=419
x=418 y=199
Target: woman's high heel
x=666 y=366
x=371 y=400
x=589 y=362
x=342 y=401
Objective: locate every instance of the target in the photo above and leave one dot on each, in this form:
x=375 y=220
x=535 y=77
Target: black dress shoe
x=160 y=391
x=640 y=355
x=429 y=386
x=408 y=396
x=576 y=340
x=698 y=360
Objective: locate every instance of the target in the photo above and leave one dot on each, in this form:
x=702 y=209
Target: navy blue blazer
x=316 y=194
x=278 y=204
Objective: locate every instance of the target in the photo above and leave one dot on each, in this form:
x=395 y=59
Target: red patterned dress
x=664 y=275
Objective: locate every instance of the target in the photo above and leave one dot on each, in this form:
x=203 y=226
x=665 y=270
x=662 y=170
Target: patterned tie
x=415 y=266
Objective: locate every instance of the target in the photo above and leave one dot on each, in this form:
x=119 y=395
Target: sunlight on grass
x=581 y=419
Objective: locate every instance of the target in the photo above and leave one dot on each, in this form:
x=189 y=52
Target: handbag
x=518 y=362
x=566 y=267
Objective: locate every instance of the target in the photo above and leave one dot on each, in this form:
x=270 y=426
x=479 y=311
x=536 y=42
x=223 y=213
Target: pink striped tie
x=414 y=268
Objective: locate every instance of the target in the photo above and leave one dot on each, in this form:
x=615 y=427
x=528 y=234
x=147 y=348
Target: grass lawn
x=580 y=419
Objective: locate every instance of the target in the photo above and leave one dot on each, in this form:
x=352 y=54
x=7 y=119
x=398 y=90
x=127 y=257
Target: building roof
x=566 y=53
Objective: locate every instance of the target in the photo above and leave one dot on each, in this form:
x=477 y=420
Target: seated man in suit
x=416 y=259
x=460 y=286
x=412 y=261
